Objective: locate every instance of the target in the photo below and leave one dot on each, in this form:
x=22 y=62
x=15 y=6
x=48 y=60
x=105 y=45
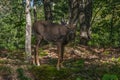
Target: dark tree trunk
x=73 y=11
x=81 y=10
x=85 y=16
x=47 y=10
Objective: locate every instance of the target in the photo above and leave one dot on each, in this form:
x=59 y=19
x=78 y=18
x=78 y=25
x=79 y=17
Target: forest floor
x=81 y=63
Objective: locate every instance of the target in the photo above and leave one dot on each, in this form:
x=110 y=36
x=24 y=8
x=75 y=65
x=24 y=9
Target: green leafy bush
x=110 y=77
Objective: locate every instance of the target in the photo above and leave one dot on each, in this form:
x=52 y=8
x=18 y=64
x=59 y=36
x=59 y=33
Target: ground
x=81 y=63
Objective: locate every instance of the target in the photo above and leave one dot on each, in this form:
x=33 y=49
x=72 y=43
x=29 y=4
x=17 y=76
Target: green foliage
x=45 y=72
x=109 y=77
x=79 y=63
x=78 y=78
x=21 y=74
x=60 y=10
x=12 y=25
x=105 y=24
x=42 y=53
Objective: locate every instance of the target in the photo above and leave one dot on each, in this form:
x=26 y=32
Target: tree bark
x=47 y=10
x=73 y=11
x=28 y=30
x=81 y=10
x=85 y=16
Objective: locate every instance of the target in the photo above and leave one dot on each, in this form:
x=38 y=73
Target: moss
x=45 y=72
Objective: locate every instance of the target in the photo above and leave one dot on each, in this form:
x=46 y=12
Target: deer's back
x=50 y=31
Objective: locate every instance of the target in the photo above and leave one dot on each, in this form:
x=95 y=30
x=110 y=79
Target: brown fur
x=52 y=32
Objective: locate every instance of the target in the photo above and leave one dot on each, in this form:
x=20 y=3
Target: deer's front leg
x=36 y=55
x=60 y=55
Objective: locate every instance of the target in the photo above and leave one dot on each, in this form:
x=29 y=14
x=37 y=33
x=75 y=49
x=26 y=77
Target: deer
x=60 y=34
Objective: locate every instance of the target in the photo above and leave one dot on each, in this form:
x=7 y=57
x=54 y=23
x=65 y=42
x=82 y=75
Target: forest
x=59 y=40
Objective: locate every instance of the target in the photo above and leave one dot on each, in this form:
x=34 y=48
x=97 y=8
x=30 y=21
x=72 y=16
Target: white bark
x=28 y=30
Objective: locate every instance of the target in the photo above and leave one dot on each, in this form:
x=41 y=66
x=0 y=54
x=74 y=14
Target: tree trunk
x=47 y=10
x=73 y=11
x=85 y=16
x=28 y=31
x=81 y=10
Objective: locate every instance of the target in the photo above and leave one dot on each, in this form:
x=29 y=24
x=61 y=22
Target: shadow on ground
x=81 y=63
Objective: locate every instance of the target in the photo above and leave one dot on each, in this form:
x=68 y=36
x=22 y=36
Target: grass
x=46 y=72
x=80 y=72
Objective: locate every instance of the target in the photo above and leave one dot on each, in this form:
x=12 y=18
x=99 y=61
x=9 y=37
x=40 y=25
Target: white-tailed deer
x=60 y=34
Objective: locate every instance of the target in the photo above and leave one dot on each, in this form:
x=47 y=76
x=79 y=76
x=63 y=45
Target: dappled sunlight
x=79 y=61
x=86 y=63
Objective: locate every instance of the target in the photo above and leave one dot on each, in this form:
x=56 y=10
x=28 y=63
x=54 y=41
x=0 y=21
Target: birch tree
x=28 y=30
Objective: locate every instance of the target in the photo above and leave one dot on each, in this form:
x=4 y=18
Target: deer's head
x=71 y=29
